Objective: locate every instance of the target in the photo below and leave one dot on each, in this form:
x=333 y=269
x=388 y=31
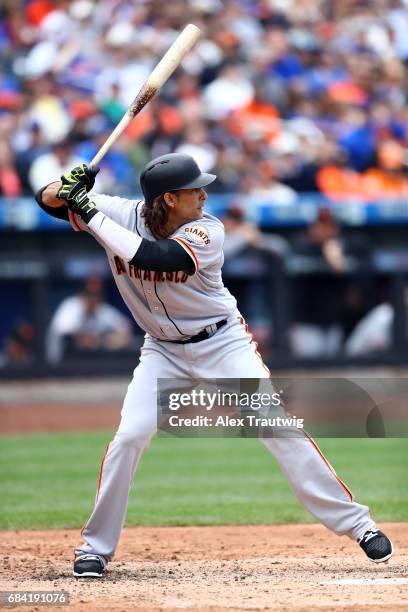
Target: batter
x=166 y=256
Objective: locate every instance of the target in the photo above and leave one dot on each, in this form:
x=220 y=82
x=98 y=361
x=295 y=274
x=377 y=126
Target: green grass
x=50 y=480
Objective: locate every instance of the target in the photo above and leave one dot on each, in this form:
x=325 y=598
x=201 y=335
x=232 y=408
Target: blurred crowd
x=278 y=97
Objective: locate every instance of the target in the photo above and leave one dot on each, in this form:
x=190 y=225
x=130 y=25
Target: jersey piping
x=189 y=250
x=165 y=309
x=136 y=211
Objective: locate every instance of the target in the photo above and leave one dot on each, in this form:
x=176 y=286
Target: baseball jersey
x=169 y=305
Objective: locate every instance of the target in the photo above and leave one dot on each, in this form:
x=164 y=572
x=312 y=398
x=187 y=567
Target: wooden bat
x=164 y=69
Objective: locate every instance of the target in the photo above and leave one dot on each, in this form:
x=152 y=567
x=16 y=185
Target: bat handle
x=118 y=131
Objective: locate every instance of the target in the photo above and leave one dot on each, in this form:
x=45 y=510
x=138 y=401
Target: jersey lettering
x=119 y=265
x=134 y=272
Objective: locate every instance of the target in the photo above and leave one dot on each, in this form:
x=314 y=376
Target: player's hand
x=81 y=174
x=77 y=200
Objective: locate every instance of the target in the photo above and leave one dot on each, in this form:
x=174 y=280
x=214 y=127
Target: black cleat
x=376 y=545
x=88 y=566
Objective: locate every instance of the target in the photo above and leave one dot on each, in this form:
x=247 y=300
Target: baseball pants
x=230 y=353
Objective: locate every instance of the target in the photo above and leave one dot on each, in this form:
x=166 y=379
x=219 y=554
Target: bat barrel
x=164 y=69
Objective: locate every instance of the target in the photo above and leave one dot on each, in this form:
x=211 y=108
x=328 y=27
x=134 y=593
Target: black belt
x=202 y=335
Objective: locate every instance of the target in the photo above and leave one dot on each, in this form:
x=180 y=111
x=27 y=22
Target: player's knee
x=139 y=438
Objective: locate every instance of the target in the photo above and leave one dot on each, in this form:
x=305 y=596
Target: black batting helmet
x=170 y=173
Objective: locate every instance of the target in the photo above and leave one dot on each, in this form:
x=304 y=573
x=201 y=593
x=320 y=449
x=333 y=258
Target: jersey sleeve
x=203 y=241
x=122 y=211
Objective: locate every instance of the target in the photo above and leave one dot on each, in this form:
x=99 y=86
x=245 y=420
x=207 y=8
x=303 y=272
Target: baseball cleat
x=88 y=566
x=376 y=545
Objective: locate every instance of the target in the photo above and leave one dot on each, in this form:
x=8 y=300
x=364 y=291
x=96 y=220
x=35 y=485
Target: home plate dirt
x=296 y=567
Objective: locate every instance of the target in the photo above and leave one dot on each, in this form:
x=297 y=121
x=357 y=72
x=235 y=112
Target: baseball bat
x=164 y=69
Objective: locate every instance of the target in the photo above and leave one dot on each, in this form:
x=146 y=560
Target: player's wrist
x=78 y=201
x=88 y=213
x=96 y=220
x=83 y=206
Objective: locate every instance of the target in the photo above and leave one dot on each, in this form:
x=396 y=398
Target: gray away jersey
x=169 y=305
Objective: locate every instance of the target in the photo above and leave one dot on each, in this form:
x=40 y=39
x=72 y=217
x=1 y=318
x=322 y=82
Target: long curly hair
x=156 y=216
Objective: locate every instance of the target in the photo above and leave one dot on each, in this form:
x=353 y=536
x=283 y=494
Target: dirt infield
x=297 y=567
x=49 y=418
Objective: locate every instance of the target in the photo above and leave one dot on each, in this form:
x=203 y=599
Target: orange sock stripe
x=345 y=487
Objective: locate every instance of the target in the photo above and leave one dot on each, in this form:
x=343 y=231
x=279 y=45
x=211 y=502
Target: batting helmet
x=170 y=173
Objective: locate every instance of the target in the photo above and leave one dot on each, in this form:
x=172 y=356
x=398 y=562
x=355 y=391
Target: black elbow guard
x=163 y=256
x=59 y=213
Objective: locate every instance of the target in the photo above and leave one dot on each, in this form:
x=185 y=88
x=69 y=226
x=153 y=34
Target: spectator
x=259 y=115
x=49 y=165
x=374 y=333
x=18 y=346
x=28 y=145
x=389 y=179
x=196 y=144
x=334 y=178
x=317 y=331
x=267 y=190
x=231 y=90
x=258 y=257
x=85 y=322
x=10 y=184
x=241 y=234
x=38 y=9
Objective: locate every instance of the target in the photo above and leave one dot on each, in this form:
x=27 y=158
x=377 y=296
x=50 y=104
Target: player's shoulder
x=203 y=231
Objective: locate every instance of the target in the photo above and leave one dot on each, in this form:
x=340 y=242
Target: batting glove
x=81 y=174
x=77 y=200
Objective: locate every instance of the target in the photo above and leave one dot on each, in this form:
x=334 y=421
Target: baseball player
x=166 y=255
